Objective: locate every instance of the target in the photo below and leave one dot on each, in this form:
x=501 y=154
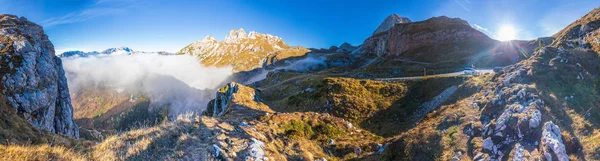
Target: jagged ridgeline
x=368 y=102
x=243 y=51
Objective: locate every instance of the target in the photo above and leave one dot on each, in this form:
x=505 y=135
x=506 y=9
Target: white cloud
x=310 y=62
x=179 y=81
x=483 y=30
x=463 y=4
x=100 y=8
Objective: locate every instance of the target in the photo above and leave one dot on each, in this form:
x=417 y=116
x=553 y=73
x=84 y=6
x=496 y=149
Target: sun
x=506 y=33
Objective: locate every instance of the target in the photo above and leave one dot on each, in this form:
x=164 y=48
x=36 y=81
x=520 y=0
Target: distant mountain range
x=110 y=51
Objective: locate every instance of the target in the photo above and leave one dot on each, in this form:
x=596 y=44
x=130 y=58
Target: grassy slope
x=577 y=116
x=106 y=111
x=19 y=140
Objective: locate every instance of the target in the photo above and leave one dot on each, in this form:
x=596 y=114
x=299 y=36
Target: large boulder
x=33 y=79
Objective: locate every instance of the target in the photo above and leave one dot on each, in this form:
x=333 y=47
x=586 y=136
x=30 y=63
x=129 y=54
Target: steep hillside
x=545 y=107
x=242 y=51
x=102 y=111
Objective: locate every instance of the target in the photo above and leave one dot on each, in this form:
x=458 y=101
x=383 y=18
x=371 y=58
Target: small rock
x=536 y=118
x=488 y=144
x=322 y=159
x=381 y=148
x=217 y=150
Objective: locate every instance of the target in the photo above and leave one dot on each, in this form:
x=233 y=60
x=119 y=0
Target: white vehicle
x=470 y=72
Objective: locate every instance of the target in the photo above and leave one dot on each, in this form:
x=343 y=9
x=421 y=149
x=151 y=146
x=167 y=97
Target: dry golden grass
x=591 y=144
x=38 y=152
x=149 y=142
x=305 y=135
x=349 y=98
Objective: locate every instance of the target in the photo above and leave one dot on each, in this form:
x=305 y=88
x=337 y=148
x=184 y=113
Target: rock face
x=223 y=99
x=448 y=41
x=389 y=22
x=244 y=51
x=432 y=32
x=236 y=101
x=33 y=79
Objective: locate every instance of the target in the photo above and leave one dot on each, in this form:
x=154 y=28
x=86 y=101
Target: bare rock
x=488 y=144
x=256 y=151
x=552 y=143
x=33 y=79
x=236 y=101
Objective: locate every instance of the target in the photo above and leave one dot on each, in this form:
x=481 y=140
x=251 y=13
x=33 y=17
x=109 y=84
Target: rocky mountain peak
x=235 y=35
x=33 y=80
x=407 y=37
x=253 y=47
x=389 y=22
x=208 y=39
x=346 y=47
x=122 y=49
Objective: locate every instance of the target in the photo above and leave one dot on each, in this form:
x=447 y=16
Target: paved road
x=461 y=73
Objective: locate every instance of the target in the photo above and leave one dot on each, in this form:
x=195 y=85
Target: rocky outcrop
x=515 y=113
x=520 y=117
x=256 y=150
x=222 y=101
x=389 y=22
x=236 y=101
x=244 y=51
x=33 y=79
x=552 y=143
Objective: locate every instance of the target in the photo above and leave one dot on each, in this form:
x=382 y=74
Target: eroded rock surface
x=33 y=79
x=237 y=101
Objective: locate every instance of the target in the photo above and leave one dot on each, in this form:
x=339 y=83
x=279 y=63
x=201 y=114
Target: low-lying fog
x=178 y=81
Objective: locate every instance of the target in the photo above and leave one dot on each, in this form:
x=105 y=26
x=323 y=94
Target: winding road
x=455 y=74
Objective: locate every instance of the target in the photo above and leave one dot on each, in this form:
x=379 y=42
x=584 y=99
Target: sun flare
x=506 y=33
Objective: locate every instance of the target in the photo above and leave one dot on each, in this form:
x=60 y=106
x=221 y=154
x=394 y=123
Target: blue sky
x=169 y=25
